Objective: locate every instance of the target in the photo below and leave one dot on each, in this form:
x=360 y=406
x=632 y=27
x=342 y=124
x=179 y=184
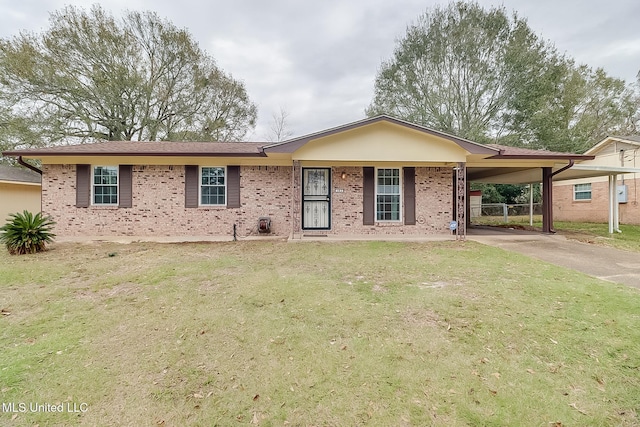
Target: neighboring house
x=588 y=199
x=19 y=191
x=379 y=176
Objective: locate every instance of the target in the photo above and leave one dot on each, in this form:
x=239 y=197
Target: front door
x=316 y=198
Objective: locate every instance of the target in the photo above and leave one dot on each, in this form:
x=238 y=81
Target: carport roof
x=533 y=174
x=519 y=153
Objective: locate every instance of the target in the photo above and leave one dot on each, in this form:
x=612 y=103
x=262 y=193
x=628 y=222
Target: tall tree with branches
x=91 y=77
x=484 y=75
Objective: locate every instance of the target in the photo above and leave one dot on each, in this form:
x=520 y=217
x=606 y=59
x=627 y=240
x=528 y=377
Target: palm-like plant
x=25 y=233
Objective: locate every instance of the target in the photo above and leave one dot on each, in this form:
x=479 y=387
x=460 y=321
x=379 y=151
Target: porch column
x=468 y=210
x=461 y=200
x=547 y=200
x=296 y=188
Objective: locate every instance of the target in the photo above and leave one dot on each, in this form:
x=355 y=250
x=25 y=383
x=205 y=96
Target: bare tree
x=279 y=129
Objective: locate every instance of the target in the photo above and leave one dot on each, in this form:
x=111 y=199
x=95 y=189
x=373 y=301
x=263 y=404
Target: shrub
x=25 y=233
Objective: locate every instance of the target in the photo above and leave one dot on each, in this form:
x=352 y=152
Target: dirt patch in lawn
x=121 y=290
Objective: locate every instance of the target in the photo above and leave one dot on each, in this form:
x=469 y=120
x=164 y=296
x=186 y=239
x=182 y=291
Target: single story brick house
x=588 y=199
x=378 y=176
x=19 y=191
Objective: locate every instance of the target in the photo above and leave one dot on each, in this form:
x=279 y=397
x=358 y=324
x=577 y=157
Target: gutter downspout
x=28 y=166
x=547 y=193
x=569 y=166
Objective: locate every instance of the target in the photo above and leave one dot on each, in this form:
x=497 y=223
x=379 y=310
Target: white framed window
x=105 y=185
x=388 y=194
x=582 y=191
x=213 y=186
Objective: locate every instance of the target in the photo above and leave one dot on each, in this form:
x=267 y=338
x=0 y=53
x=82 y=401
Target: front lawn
x=312 y=333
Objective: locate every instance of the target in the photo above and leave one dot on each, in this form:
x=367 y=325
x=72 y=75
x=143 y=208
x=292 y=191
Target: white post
x=531 y=205
x=616 y=206
x=612 y=201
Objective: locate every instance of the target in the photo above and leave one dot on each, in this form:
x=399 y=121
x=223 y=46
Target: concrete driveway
x=605 y=263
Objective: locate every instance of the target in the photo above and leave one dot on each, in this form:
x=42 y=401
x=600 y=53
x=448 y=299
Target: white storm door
x=316 y=198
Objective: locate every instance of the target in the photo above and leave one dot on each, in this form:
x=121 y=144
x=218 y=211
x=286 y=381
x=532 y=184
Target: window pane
x=212 y=186
x=388 y=195
x=582 y=191
x=105 y=185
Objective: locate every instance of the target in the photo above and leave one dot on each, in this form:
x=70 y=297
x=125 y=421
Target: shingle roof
x=153 y=148
x=18 y=174
x=292 y=145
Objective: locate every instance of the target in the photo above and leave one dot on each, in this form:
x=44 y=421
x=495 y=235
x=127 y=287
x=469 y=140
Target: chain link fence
x=504 y=213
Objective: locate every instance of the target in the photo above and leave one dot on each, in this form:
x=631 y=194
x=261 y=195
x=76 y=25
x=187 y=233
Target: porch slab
x=371 y=237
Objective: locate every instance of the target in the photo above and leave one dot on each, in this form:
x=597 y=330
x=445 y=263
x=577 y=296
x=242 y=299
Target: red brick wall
x=434 y=202
x=158 y=205
x=596 y=209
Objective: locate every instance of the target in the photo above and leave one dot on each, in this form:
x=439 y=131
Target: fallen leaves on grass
x=573 y=405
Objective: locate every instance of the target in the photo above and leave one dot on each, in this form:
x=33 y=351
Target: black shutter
x=83 y=186
x=233 y=186
x=368 y=196
x=409 y=196
x=125 y=186
x=190 y=186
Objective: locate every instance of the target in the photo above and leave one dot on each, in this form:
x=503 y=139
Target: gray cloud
x=318 y=60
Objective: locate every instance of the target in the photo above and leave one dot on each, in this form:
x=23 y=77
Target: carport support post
x=614 y=214
x=547 y=200
x=531 y=205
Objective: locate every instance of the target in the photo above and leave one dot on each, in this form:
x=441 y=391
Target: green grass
x=332 y=334
x=629 y=239
x=590 y=232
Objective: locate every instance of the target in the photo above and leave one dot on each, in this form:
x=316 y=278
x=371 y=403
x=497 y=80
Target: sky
x=317 y=61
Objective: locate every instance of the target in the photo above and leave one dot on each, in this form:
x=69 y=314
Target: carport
x=523 y=166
